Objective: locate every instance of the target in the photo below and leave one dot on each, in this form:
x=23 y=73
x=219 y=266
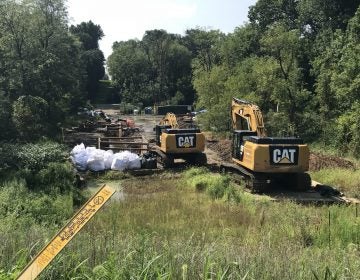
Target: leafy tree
x=30 y=116
x=89 y=35
x=6 y=125
x=130 y=71
x=154 y=70
x=241 y=44
x=318 y=15
x=284 y=46
x=212 y=95
x=156 y=44
x=40 y=57
x=204 y=46
x=265 y=13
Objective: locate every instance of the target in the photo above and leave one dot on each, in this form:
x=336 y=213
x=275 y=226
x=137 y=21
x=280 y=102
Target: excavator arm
x=247 y=116
x=170 y=120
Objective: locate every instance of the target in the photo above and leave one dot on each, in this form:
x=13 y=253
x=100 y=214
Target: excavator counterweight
x=178 y=137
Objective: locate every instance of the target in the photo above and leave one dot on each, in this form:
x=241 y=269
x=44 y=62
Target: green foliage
x=30 y=115
x=216 y=186
x=42 y=166
x=346 y=180
x=93 y=58
x=39 y=60
x=56 y=177
x=6 y=125
x=156 y=69
x=37 y=156
x=18 y=202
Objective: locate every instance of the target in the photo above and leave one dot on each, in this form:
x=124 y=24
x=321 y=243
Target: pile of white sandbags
x=98 y=160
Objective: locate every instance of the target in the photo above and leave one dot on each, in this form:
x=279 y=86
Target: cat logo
x=284 y=155
x=186 y=141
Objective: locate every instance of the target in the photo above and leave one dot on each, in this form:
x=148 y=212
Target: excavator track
x=259 y=183
x=254 y=182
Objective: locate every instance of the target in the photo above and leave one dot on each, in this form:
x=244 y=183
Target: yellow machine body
x=182 y=143
x=177 y=137
x=274 y=159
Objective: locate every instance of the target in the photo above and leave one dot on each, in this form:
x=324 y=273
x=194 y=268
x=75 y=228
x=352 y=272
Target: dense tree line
x=46 y=71
x=299 y=61
x=156 y=69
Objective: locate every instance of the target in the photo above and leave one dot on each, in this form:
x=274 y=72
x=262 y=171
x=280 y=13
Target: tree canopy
x=298 y=60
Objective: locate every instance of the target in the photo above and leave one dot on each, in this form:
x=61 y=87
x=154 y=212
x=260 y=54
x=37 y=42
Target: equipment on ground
x=178 y=137
x=265 y=161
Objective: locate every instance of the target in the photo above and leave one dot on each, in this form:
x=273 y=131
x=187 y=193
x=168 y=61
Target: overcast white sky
x=122 y=20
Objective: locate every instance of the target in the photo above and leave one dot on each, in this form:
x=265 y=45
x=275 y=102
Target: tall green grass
x=346 y=180
x=167 y=229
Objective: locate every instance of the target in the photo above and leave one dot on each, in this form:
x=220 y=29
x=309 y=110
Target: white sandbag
x=80 y=160
x=95 y=160
x=90 y=150
x=134 y=162
x=108 y=159
x=78 y=149
x=125 y=160
x=119 y=163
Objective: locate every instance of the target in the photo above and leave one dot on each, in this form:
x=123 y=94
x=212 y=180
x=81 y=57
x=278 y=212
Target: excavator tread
x=254 y=182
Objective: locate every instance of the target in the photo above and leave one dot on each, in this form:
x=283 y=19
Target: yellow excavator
x=178 y=137
x=265 y=162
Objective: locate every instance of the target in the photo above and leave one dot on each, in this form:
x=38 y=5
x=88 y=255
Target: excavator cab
x=158 y=130
x=239 y=137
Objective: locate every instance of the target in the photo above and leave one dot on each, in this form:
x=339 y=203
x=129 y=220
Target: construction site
x=138 y=134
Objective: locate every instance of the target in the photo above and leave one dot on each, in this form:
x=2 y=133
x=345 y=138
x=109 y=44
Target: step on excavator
x=177 y=137
x=265 y=162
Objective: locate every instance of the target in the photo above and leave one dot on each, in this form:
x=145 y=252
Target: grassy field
x=196 y=225
x=346 y=180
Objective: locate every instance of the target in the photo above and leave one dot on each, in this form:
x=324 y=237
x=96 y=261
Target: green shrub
x=217 y=186
x=17 y=203
x=202 y=180
x=30 y=116
x=56 y=177
x=37 y=156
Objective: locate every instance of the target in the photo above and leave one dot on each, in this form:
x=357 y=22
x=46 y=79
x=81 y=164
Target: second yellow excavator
x=265 y=161
x=178 y=137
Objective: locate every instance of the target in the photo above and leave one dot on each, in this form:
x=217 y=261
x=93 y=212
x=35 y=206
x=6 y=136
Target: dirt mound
x=222 y=148
x=319 y=161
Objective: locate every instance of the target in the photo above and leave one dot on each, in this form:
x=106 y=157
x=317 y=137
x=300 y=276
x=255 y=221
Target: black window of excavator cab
x=242 y=123
x=236 y=145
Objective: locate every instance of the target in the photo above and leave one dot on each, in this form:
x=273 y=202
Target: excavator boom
x=247 y=116
x=170 y=120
